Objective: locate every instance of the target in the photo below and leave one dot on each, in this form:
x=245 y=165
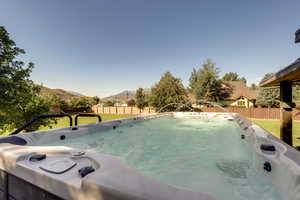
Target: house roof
x=240 y=89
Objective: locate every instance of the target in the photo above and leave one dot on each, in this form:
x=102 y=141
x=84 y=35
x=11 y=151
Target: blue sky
x=100 y=47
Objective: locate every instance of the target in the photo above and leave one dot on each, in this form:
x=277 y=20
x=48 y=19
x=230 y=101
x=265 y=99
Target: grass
x=64 y=122
x=273 y=126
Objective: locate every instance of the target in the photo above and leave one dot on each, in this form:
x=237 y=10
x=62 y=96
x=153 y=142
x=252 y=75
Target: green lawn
x=64 y=122
x=272 y=126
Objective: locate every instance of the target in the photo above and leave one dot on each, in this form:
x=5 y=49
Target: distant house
x=240 y=95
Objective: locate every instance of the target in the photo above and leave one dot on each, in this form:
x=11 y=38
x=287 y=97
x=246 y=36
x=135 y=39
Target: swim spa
x=169 y=156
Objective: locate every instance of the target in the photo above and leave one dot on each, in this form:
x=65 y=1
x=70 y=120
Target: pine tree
x=168 y=94
x=204 y=83
x=269 y=96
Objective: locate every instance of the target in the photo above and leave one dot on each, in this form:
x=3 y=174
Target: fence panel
x=257 y=113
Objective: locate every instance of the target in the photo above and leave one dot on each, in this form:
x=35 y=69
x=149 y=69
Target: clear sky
x=99 y=47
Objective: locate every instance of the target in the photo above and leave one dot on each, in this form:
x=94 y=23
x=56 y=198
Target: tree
x=193 y=81
x=204 y=83
x=254 y=86
x=35 y=105
x=63 y=104
x=131 y=102
x=267 y=76
x=80 y=104
x=168 y=94
x=96 y=100
x=269 y=96
x=140 y=98
x=233 y=76
x=109 y=103
x=19 y=97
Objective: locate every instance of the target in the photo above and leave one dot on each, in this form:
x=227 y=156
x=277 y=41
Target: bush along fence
x=122 y=110
x=256 y=113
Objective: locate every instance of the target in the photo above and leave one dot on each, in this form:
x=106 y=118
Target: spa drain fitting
x=242 y=136
x=267 y=167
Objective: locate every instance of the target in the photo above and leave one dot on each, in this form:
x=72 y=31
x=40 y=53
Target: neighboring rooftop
x=240 y=89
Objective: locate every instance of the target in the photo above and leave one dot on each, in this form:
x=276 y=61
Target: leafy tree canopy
x=96 y=100
x=109 y=103
x=19 y=97
x=254 y=86
x=131 y=102
x=63 y=104
x=233 y=76
x=140 y=98
x=80 y=104
x=168 y=94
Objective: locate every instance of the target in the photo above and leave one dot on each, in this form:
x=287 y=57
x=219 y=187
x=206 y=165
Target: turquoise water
x=202 y=155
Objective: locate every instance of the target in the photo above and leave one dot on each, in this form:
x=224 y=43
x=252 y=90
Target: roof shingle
x=240 y=89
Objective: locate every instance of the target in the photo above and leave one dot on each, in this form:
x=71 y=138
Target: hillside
x=126 y=94
x=66 y=95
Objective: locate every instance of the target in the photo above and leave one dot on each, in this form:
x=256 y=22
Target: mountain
x=76 y=93
x=66 y=95
x=125 y=95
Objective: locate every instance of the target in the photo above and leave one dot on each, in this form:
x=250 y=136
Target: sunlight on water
x=203 y=155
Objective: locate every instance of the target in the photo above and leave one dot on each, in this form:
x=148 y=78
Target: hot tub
x=165 y=156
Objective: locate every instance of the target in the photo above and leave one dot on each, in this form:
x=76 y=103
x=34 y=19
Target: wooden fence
x=256 y=113
x=122 y=110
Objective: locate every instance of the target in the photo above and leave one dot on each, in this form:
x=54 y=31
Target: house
x=240 y=94
x=120 y=105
